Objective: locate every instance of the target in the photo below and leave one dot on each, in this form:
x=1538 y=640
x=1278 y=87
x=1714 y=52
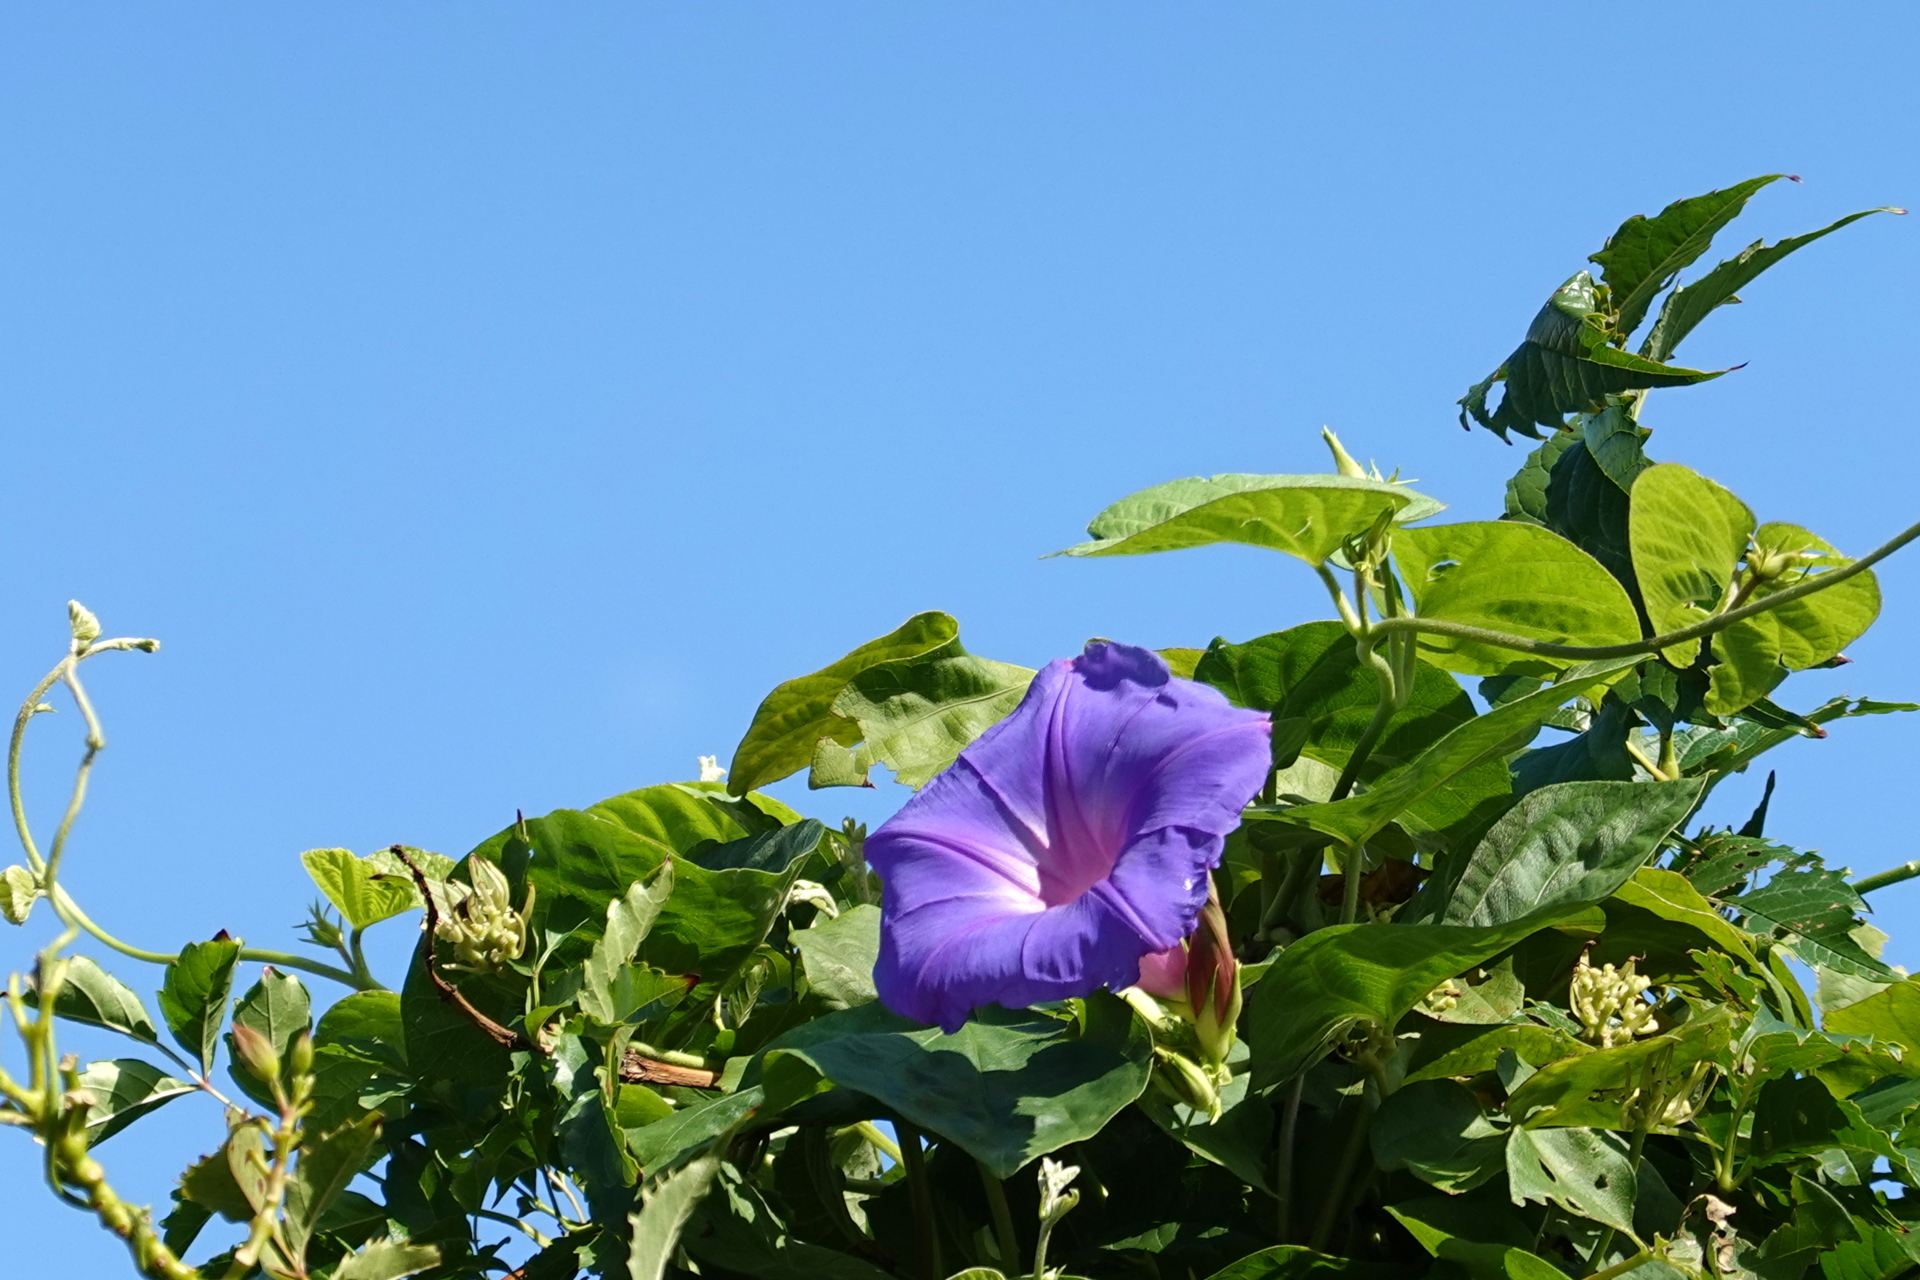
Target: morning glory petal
x=1069 y=841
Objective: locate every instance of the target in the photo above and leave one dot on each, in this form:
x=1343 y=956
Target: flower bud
x=85 y=627
x=300 y=1055
x=486 y=932
x=1607 y=1003
x=1213 y=981
x=1185 y=1081
x=255 y=1052
x=1342 y=460
x=18 y=892
x=1055 y=1200
x=710 y=770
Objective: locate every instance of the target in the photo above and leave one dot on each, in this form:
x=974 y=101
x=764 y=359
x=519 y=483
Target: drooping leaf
x=1646 y=254
x=1533 y=1044
x=91 y=995
x=1892 y=1015
x=916 y=716
x=277 y=1006
x=1561 y=845
x=1527 y=490
x=124 y=1089
x=193 y=998
x=798 y=713
x=1585 y=503
x=1794 y=1116
x=1565 y=365
x=364 y=892
x=1597 y=753
x=1437 y=1130
x=773 y=851
x=1007 y=1087
x=1485 y=738
x=1688 y=305
x=1688 y=536
x=1756 y=653
x=1514 y=578
x=1488 y=1243
x=1585 y=1172
x=1305 y=516
x=629 y=919
x=839 y=955
x=1337 y=977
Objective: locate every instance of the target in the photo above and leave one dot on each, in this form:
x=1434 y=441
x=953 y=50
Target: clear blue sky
x=486 y=404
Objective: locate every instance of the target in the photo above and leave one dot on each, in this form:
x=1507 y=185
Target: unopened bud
x=1186 y=1081
x=1056 y=1201
x=1213 y=981
x=85 y=627
x=300 y=1055
x=1343 y=461
x=486 y=932
x=710 y=770
x=18 y=892
x=255 y=1052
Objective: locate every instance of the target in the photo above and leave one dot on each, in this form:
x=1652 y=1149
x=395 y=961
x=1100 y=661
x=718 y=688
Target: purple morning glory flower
x=1066 y=843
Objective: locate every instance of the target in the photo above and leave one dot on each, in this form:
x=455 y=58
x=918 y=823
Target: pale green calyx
x=486 y=932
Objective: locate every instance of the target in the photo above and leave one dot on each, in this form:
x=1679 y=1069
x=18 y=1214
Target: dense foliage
x=1504 y=1009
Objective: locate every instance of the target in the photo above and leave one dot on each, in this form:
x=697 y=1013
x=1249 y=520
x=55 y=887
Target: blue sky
x=486 y=404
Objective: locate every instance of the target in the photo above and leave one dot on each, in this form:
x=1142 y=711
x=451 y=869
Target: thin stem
x=1340 y=602
x=1283 y=1165
x=1343 y=1173
x=70 y=911
x=872 y=1133
x=1352 y=864
x=28 y=710
x=1369 y=738
x=1881 y=879
x=96 y=740
x=1641 y=758
x=1002 y=1220
x=539 y=1238
x=926 y=1237
x=1705 y=627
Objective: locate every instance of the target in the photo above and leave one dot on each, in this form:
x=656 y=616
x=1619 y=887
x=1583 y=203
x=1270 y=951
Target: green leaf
x=327 y=1164
x=1458 y=1230
x=1794 y=1117
x=1572 y=843
x=1527 y=490
x=664 y=1210
x=773 y=851
x=1596 y=1089
x=1534 y=1045
x=193 y=998
x=387 y=1260
x=798 y=713
x=1756 y=653
x=1892 y=1014
x=1645 y=254
x=278 y=1008
x=364 y=893
x=1347 y=974
x=1582 y=1171
x=124 y=1089
x=839 y=954
x=91 y=995
x=1687 y=306
x=712 y=923
x=1516 y=578
x=1585 y=503
x=1688 y=536
x=917 y=716
x=629 y=919
x=1305 y=516
x=367 y=1025
x=1007 y=1087
x=1565 y=365
x=1437 y=1130
x=1485 y=738
x=1312 y=674
x=1297 y=1262
x=1819 y=911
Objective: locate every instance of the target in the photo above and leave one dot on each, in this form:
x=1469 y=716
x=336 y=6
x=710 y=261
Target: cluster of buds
x=1607 y=1001
x=1190 y=995
x=486 y=932
x=1442 y=998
